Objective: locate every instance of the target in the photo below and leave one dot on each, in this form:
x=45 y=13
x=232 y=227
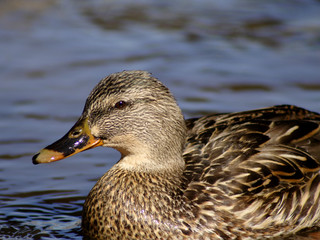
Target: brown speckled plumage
x=247 y=175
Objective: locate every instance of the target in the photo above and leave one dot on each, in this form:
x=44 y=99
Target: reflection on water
x=55 y=215
x=215 y=56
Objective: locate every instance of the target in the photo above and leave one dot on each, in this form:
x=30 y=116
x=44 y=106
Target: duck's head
x=132 y=112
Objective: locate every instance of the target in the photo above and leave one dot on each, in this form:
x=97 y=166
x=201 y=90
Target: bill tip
x=34 y=159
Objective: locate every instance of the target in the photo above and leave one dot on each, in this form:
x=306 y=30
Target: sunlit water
x=215 y=56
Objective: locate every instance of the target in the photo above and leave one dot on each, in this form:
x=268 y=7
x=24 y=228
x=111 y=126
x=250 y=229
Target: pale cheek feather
x=95 y=131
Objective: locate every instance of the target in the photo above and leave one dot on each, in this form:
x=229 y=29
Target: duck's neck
x=152 y=154
x=141 y=187
x=171 y=166
x=151 y=182
x=130 y=198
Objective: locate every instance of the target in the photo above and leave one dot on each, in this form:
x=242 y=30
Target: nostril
x=75 y=133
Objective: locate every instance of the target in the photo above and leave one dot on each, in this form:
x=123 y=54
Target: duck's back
x=255 y=172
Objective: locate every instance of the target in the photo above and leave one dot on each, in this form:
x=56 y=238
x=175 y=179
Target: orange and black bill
x=78 y=139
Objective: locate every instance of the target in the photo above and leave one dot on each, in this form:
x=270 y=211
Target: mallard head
x=132 y=112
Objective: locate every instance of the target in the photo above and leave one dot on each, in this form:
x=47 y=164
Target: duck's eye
x=120 y=104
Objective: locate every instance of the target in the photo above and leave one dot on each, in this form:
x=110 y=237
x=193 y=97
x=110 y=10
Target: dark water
x=215 y=56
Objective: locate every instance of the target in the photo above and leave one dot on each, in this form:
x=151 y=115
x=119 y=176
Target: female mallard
x=247 y=175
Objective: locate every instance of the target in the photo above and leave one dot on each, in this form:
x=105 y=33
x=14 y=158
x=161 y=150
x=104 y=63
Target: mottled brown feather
x=262 y=164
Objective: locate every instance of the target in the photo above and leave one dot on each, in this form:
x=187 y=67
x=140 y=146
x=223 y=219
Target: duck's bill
x=78 y=139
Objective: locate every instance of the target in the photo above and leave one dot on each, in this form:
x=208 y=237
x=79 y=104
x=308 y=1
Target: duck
x=244 y=175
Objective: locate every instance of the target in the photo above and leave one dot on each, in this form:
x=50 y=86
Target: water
x=215 y=56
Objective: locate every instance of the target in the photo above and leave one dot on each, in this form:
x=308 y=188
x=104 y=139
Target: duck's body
x=247 y=175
